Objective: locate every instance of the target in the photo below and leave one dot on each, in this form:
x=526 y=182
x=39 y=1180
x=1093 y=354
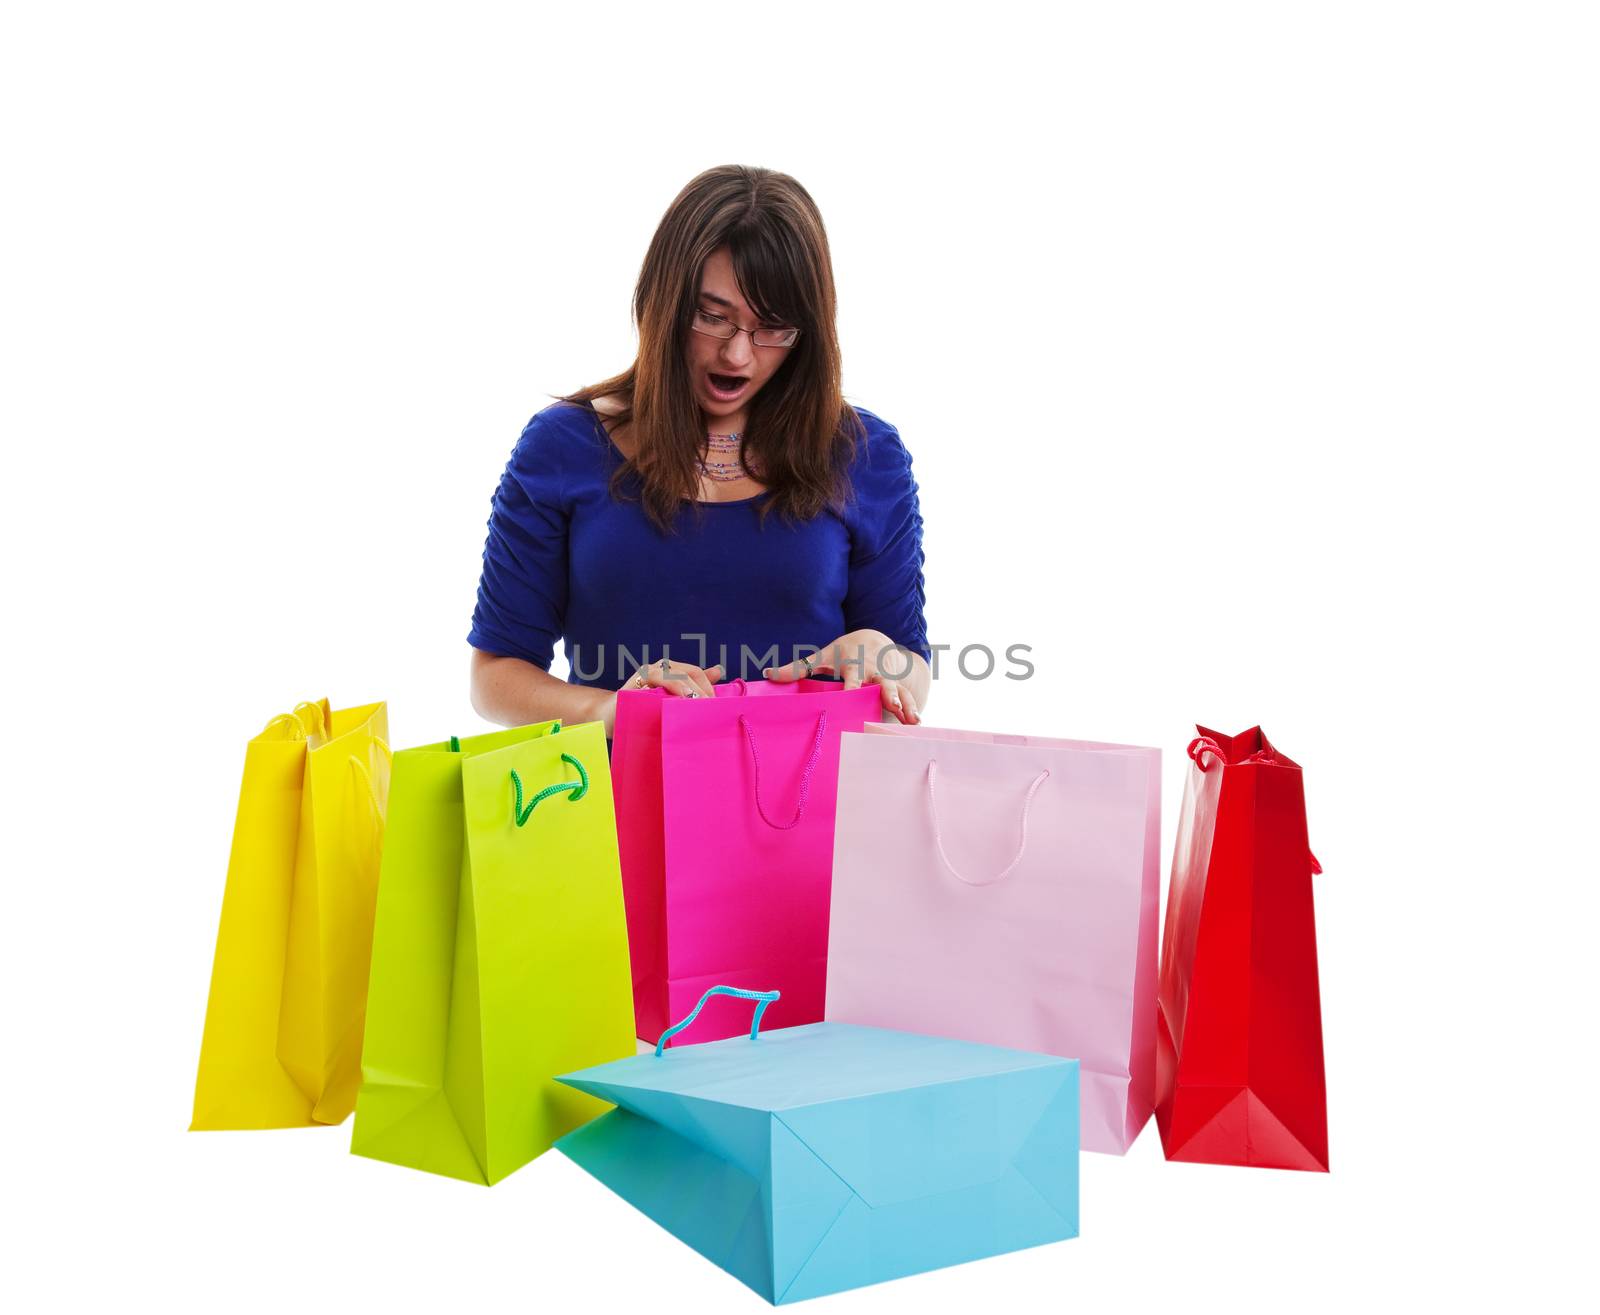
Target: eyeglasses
x=718 y=326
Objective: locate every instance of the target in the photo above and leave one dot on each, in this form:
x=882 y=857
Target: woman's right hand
x=678 y=678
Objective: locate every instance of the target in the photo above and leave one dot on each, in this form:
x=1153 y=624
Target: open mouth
x=726 y=387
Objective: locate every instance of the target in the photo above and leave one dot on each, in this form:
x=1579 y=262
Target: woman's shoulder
x=883 y=497
x=564 y=440
x=876 y=426
x=565 y=425
x=881 y=462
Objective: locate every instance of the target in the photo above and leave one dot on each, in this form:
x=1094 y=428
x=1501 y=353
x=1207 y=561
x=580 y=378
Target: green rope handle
x=579 y=788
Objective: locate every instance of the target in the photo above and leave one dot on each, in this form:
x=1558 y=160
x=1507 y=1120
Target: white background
x=1247 y=355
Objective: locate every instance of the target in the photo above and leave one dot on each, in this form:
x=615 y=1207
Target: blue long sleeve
x=522 y=594
x=886 y=557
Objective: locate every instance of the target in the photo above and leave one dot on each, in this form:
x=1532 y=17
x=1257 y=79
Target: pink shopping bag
x=725 y=813
x=1002 y=889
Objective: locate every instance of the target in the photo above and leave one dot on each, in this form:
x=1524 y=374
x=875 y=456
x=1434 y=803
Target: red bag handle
x=1203 y=746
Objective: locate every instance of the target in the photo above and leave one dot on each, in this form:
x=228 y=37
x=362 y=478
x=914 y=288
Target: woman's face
x=727 y=374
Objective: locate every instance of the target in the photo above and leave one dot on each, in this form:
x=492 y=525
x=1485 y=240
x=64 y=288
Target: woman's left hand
x=867 y=657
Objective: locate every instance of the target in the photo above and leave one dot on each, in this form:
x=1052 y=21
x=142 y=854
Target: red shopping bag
x=1239 y=1075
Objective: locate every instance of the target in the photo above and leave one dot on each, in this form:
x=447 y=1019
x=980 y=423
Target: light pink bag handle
x=1022 y=828
x=805 y=776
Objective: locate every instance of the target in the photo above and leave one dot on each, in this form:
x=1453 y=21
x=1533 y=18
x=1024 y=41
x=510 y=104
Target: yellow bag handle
x=360 y=769
x=297 y=723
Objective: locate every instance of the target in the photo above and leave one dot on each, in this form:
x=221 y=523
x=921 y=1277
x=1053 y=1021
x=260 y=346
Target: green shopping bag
x=500 y=952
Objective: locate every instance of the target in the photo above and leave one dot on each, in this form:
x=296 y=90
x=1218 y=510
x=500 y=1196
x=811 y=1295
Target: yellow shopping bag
x=282 y=1044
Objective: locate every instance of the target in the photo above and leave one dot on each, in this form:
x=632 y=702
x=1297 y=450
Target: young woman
x=717 y=509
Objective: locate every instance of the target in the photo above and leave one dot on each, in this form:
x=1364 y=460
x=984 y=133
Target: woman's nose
x=736 y=351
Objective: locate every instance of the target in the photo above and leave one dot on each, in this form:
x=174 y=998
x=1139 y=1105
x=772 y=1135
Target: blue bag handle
x=739 y=993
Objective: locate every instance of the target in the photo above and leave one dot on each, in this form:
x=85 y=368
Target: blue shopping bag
x=814 y=1159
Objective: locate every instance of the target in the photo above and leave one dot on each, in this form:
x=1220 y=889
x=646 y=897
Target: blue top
x=565 y=560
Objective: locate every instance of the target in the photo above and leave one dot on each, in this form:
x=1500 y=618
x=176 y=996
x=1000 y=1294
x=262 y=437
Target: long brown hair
x=801 y=432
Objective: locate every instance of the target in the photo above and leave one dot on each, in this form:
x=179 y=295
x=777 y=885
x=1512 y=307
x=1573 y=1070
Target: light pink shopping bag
x=1003 y=889
x=725 y=812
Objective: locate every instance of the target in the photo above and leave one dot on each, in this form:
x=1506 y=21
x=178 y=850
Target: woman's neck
x=734 y=424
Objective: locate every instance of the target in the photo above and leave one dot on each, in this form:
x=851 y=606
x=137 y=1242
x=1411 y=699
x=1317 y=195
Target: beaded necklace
x=723 y=462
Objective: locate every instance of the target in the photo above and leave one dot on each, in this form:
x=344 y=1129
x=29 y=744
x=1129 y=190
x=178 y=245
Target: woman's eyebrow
x=769 y=320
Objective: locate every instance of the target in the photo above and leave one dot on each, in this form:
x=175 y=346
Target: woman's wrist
x=602 y=707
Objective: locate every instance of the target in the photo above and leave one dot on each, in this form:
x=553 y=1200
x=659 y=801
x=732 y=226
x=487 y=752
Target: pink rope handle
x=805 y=776
x=1022 y=828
